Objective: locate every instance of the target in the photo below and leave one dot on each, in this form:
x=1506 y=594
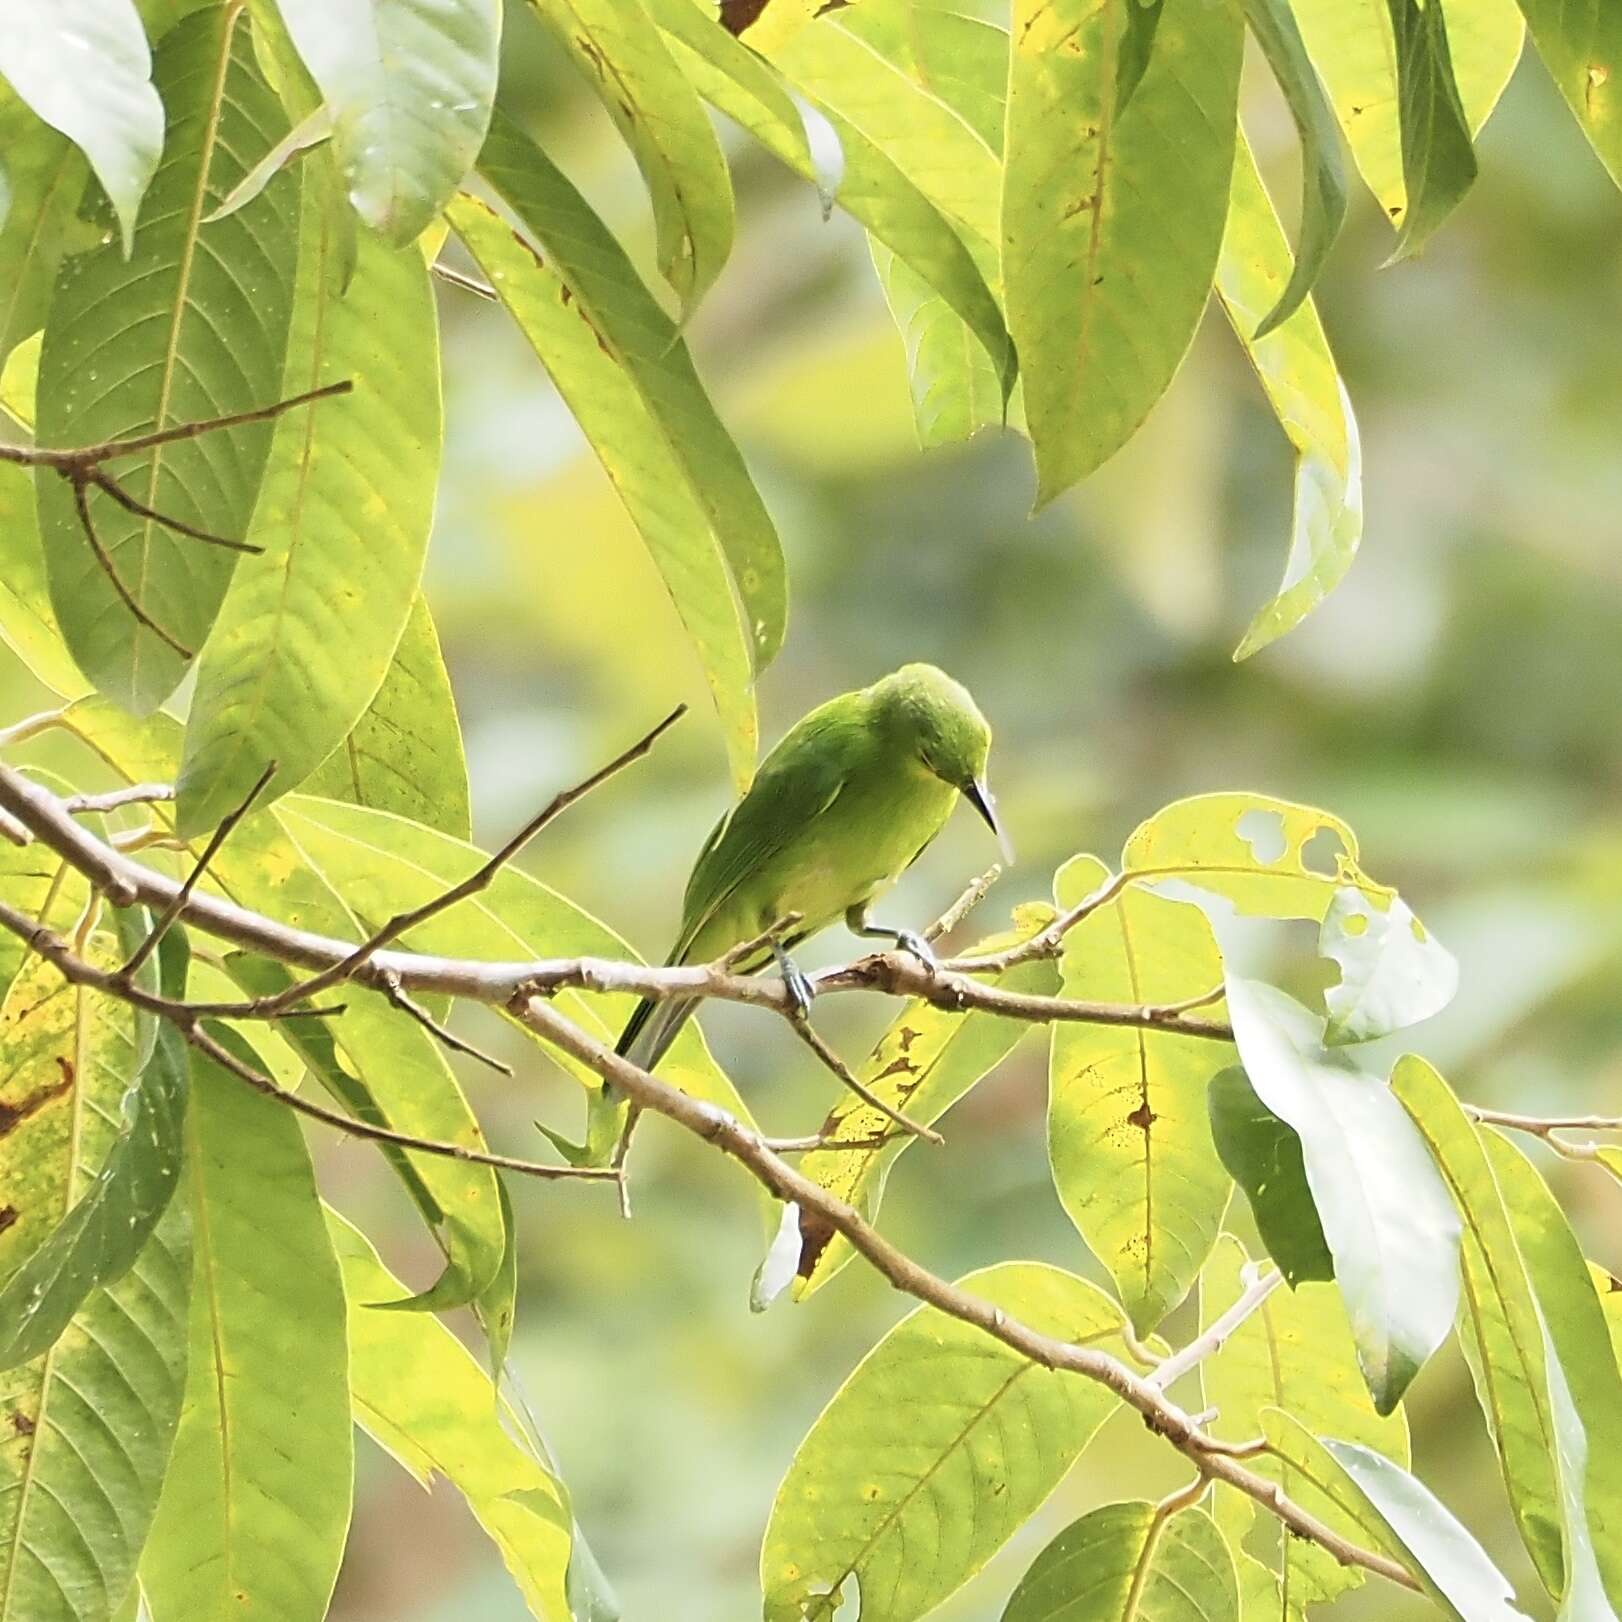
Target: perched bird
x=847 y=800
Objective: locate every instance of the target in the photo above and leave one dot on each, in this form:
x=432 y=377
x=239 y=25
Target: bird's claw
x=914 y=944
x=800 y=991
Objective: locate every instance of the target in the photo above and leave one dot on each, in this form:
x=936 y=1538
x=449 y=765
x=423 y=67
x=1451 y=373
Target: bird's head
x=939 y=724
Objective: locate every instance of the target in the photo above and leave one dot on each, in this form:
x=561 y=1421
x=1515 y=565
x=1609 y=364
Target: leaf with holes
x=85 y=68
x=1385 y=1210
x=1393 y=972
x=193 y=325
x=935 y=1451
x=1122 y=1561
x=1581 y=46
x=255 y=1506
x=923 y=1064
x=419 y=1394
x=656 y=485
x=624 y=58
x=1303 y=386
x=1294 y=1352
x=405 y=753
x=650 y=352
x=410 y=84
x=307 y=630
x=1111 y=219
x=1129 y=1135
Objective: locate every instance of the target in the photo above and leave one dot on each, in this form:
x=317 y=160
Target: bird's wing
x=795 y=785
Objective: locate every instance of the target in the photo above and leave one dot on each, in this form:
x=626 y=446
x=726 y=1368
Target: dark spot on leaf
x=567 y=295
x=736 y=15
x=590 y=52
x=897 y=1067
x=1142 y=1117
x=628 y=110
x=1614 y=1286
x=22 y=1424
x=13 y=1115
x=529 y=248
x=8 y=1216
x=906 y=1036
x=815 y=1232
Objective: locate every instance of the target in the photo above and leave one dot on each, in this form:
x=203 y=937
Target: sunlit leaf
x=45 y=176
x=1323 y=182
x=193 y=325
x=307 y=630
x=657 y=487
x=1385 y=1210
x=624 y=58
x=1303 y=386
x=255 y=1506
x=405 y=753
x=410 y=84
x=42 y=886
x=1392 y=973
x=1125 y=1560
x=84 y=67
x=1609 y=1289
x=27 y=620
x=927 y=1060
x=1111 y=220
x=419 y=1394
x=933 y=1453
x=1129 y=1134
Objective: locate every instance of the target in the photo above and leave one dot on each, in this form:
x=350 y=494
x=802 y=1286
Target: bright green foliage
x=307 y=630
x=87 y=71
x=418 y=1393
x=1127 y=1128
x=255 y=1506
x=141 y=343
x=910 y=1499
x=45 y=176
x=1128 y=1560
x=1095 y=198
x=409 y=85
x=923 y=1064
x=1581 y=45
x=1392 y=973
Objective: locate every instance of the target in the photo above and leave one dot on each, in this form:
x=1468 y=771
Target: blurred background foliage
x=1455 y=700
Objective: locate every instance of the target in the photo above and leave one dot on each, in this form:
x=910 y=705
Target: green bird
x=849 y=799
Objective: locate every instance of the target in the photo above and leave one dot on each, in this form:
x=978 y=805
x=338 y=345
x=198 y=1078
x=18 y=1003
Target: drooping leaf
x=419 y=1394
x=405 y=753
x=926 y=1061
x=27 y=620
x=1386 y=1214
x=1299 y=377
x=98 y=1240
x=1128 y=1130
x=193 y=325
x=1123 y=1561
x=651 y=354
x=1400 y=1517
x=307 y=630
x=410 y=84
x=656 y=487
x=1263 y=1156
x=84 y=67
x=624 y=58
x=1111 y=219
x=943 y=1441
x=1392 y=974
x=1294 y=1352
x=255 y=1506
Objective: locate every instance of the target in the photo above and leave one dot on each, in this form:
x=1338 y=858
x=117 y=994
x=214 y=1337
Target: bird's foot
x=801 y=993
x=914 y=945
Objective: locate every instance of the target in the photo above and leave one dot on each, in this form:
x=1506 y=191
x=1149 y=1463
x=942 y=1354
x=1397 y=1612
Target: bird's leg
x=910 y=941
x=800 y=990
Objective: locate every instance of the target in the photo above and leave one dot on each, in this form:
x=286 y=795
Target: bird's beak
x=979 y=796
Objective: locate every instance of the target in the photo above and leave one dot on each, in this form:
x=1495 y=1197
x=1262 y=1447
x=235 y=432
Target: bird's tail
x=653 y=1027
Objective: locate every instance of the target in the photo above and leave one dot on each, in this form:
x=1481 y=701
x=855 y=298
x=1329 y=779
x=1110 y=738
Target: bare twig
x=973 y=894
x=469 y=284
x=407 y=1004
x=1216 y=1336
x=808 y=1034
x=78 y=805
x=81 y=503
x=110 y=486
x=744 y=950
x=816 y=1142
x=1047 y=942
x=1548 y=1128
x=13 y=830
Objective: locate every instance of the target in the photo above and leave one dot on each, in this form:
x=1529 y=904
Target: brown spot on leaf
x=1142 y=1117
x=8 y=1216
x=815 y=1232
x=13 y=1115
x=22 y=1424
x=897 y=1067
x=906 y=1036
x=1615 y=1285
x=829 y=5
x=736 y=15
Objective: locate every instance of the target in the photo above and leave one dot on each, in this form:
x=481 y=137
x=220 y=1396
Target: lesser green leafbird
x=851 y=796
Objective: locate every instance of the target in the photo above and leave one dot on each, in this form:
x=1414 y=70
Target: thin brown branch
x=1047 y=942
x=408 y=1005
x=1214 y=1338
x=1541 y=1126
x=808 y=1034
x=13 y=830
x=78 y=805
x=973 y=894
x=110 y=486
x=104 y=558
x=816 y=1142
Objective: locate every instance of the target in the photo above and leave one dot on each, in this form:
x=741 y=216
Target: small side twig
x=408 y=1005
x=77 y=805
x=1216 y=1336
x=808 y=1034
x=109 y=568
x=973 y=894
x=468 y=284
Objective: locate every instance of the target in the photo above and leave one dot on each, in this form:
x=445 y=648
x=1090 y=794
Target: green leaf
x=138 y=344
x=923 y=1064
x=1438 y=160
x=41 y=885
x=1581 y=45
x=419 y=1394
x=614 y=413
x=97 y=1241
x=410 y=84
x=1323 y=181
x=86 y=70
x=1129 y=1560
x=650 y=353
x=1401 y=1518
x=1263 y=1155
x=1393 y=973
x=307 y=630
x=27 y=620
x=938 y=1447
x=1128 y=1130
x=624 y=58
x=19 y=381
x=1298 y=374
x=1609 y=1290
x=255 y=1506
x=405 y=753
x=1385 y=1210
x=1111 y=220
